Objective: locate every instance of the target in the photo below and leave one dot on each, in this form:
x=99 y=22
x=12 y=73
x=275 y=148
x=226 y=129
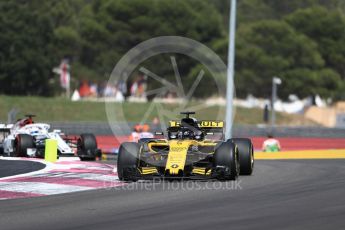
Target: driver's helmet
x=190 y=129
x=190 y=123
x=27 y=121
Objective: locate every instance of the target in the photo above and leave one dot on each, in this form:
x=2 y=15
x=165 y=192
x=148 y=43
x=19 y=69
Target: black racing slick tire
x=127 y=161
x=87 y=147
x=226 y=162
x=246 y=155
x=22 y=143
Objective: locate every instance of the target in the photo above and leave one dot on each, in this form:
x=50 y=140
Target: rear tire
x=22 y=143
x=87 y=147
x=127 y=161
x=246 y=155
x=226 y=161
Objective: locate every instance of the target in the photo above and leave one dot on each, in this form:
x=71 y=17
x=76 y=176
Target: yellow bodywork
x=148 y=170
x=177 y=156
x=178 y=150
x=201 y=171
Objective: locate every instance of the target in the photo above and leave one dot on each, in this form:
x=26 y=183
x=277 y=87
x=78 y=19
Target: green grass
x=59 y=109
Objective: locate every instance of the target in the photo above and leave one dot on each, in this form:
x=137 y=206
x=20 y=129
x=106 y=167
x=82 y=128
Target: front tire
x=87 y=147
x=127 y=161
x=246 y=155
x=22 y=143
x=226 y=162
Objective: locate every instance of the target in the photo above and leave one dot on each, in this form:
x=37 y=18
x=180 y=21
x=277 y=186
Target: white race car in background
x=27 y=139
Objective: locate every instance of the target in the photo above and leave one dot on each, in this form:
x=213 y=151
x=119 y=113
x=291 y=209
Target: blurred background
x=56 y=57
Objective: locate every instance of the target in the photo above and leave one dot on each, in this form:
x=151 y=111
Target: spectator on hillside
x=93 y=89
x=138 y=87
x=84 y=89
x=109 y=91
x=101 y=88
x=142 y=85
x=134 y=88
x=122 y=87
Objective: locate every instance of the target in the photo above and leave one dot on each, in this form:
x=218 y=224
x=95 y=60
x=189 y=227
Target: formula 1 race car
x=191 y=150
x=26 y=138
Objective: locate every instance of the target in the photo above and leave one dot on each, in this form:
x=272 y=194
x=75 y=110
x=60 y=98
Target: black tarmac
x=285 y=194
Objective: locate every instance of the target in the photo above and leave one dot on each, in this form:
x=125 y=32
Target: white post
x=230 y=72
x=275 y=82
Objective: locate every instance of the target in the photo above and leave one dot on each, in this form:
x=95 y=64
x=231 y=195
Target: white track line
x=40 y=188
x=68 y=169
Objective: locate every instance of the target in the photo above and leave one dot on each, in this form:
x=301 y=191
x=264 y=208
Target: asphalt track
x=282 y=194
x=14 y=167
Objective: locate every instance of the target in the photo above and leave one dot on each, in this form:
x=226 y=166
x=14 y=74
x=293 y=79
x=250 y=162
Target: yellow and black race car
x=190 y=151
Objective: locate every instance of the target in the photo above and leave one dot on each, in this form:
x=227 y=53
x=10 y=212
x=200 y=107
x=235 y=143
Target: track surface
x=14 y=167
x=285 y=194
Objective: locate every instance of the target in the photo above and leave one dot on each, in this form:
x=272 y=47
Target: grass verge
x=60 y=109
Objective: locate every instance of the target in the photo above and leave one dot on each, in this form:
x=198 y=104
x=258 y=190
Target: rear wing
x=209 y=126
